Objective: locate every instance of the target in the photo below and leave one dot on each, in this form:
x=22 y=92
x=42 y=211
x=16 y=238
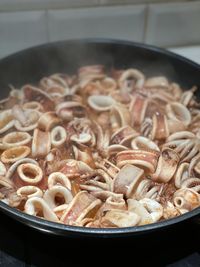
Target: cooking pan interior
x=30 y=65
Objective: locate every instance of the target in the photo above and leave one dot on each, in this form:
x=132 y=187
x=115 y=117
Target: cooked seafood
x=100 y=149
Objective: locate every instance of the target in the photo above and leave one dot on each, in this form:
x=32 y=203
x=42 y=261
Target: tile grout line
x=145 y=23
x=47 y=24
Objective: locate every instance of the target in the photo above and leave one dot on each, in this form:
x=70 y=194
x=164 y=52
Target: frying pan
x=30 y=65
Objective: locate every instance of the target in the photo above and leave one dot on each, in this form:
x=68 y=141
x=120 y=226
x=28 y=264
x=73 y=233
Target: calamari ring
x=30 y=191
x=13 y=154
x=6 y=121
x=58 y=136
x=144 y=159
x=30 y=173
x=58 y=178
x=15 y=139
x=36 y=204
x=47 y=121
x=57 y=191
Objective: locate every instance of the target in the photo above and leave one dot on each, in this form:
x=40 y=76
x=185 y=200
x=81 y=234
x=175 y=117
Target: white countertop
x=191 y=52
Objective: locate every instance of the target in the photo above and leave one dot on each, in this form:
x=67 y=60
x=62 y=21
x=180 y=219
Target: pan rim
x=52 y=227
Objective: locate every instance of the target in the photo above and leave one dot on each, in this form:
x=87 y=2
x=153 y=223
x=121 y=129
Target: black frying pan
x=30 y=65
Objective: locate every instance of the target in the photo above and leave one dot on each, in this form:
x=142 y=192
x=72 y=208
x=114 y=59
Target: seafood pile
x=101 y=149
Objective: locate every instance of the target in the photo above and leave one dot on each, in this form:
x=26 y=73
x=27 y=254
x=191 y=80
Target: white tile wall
x=122 y=22
x=44 y=4
x=20 y=30
x=173 y=24
x=167 y=24
x=110 y=2
x=51 y=4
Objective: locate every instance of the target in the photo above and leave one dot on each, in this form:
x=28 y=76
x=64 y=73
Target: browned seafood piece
x=170 y=211
x=140 y=142
x=131 y=79
x=119 y=116
x=13 y=154
x=68 y=110
x=103 y=195
x=15 y=139
x=57 y=80
x=127 y=179
x=182 y=174
x=186 y=199
x=82 y=138
x=108 y=167
x=159 y=82
x=167 y=166
x=187 y=97
x=175 y=126
x=160 y=128
x=146 y=160
x=33 y=105
x=41 y=143
x=91 y=73
x=4 y=182
x=9 y=102
x=112 y=202
x=25 y=119
x=90 y=69
x=146 y=188
x=32 y=93
x=57 y=195
x=84 y=154
x=29 y=191
x=108 y=84
x=2 y=169
x=58 y=178
x=102 y=181
x=123 y=136
x=47 y=121
x=137 y=109
x=6 y=121
x=175 y=91
x=185 y=143
x=119 y=218
x=102 y=137
x=30 y=173
x=178 y=112
x=82 y=205
x=58 y=136
x=101 y=103
x=121 y=97
x=37 y=205
x=114 y=149
x=149 y=210
x=15 y=165
x=196 y=167
x=73 y=168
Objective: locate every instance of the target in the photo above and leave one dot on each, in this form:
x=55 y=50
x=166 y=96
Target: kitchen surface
x=171 y=25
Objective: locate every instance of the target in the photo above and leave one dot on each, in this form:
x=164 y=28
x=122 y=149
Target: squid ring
x=13 y=154
x=58 y=178
x=30 y=173
x=58 y=136
x=30 y=191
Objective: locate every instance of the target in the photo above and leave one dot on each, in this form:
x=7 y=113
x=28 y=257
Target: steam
x=30 y=65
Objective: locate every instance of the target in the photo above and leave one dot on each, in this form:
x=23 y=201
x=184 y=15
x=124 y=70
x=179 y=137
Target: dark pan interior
x=30 y=65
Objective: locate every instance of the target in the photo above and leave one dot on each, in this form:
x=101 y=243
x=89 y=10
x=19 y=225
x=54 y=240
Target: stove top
x=23 y=246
